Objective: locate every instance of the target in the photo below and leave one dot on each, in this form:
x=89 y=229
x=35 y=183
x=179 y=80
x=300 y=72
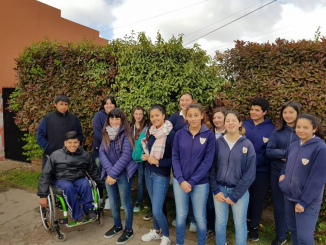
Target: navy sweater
x=165 y=163
x=98 y=124
x=305 y=172
x=234 y=168
x=278 y=145
x=192 y=156
x=259 y=135
x=177 y=121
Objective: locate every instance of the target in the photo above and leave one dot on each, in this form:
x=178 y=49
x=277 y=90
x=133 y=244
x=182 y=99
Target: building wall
x=25 y=21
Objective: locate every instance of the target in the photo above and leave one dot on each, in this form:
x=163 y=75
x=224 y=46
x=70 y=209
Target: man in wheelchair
x=66 y=168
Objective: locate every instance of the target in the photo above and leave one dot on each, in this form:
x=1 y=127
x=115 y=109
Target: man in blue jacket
x=258 y=130
x=54 y=126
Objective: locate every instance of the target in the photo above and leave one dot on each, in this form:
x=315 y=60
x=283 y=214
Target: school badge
x=305 y=161
x=244 y=150
x=265 y=140
x=202 y=140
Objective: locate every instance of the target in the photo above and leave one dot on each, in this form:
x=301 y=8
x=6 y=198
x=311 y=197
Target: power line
x=155 y=16
x=223 y=19
x=230 y=22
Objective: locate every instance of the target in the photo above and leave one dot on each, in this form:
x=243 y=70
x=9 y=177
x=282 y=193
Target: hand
x=110 y=180
x=152 y=161
x=220 y=197
x=144 y=157
x=185 y=186
x=43 y=202
x=283 y=159
x=282 y=177
x=299 y=208
x=229 y=201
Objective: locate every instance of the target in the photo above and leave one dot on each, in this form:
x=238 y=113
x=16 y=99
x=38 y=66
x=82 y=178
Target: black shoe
x=126 y=235
x=278 y=241
x=148 y=216
x=209 y=233
x=253 y=234
x=112 y=232
x=80 y=219
x=92 y=215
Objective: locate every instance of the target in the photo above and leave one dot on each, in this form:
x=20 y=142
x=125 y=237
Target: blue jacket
x=98 y=124
x=165 y=163
x=192 y=156
x=115 y=161
x=177 y=121
x=278 y=145
x=259 y=136
x=305 y=172
x=234 y=168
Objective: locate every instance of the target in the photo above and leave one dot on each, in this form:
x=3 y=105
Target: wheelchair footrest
x=74 y=223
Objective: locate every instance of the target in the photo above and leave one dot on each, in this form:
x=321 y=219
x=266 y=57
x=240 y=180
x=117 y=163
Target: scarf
x=112 y=132
x=160 y=135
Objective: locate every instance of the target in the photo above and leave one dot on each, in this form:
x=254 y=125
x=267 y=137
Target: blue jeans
x=122 y=187
x=239 y=211
x=301 y=225
x=157 y=186
x=279 y=206
x=141 y=182
x=71 y=191
x=198 y=197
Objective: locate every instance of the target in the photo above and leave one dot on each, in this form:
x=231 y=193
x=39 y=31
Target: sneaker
x=112 y=232
x=209 y=233
x=165 y=241
x=193 y=227
x=125 y=237
x=174 y=223
x=91 y=214
x=278 y=241
x=121 y=208
x=148 y=216
x=253 y=234
x=151 y=235
x=80 y=220
x=136 y=207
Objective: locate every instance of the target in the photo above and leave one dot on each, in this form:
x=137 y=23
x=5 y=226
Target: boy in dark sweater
x=54 y=126
x=258 y=130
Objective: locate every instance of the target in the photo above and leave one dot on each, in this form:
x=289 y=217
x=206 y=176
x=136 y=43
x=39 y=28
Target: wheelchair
x=57 y=203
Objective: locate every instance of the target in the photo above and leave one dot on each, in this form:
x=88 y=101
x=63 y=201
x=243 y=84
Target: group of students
x=215 y=163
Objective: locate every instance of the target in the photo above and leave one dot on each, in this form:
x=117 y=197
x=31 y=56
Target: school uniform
x=304 y=182
x=277 y=148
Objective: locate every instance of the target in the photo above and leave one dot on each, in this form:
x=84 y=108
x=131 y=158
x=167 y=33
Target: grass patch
x=22 y=178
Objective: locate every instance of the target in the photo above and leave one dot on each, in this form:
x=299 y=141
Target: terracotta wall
x=25 y=21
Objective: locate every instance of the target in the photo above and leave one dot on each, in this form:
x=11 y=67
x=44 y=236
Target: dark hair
x=218 y=109
x=133 y=121
x=161 y=108
x=63 y=98
x=295 y=105
x=109 y=97
x=242 y=129
x=315 y=122
x=262 y=102
x=186 y=93
x=117 y=113
x=71 y=135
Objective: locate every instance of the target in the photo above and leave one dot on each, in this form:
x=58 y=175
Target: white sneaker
x=193 y=227
x=165 y=241
x=151 y=235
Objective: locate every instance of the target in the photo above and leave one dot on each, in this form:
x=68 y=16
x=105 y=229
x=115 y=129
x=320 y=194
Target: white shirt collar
x=181 y=114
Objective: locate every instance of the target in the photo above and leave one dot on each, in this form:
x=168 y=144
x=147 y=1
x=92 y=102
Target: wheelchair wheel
x=61 y=238
x=48 y=214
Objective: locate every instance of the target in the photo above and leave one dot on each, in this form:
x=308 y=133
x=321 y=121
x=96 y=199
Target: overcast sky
x=296 y=19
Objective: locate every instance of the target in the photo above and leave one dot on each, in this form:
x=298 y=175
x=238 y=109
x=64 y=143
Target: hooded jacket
x=305 y=172
x=115 y=161
x=234 y=168
x=259 y=136
x=278 y=145
x=192 y=156
x=65 y=165
x=98 y=124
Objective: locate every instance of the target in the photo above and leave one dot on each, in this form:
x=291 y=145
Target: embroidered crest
x=202 y=140
x=265 y=139
x=244 y=150
x=305 y=161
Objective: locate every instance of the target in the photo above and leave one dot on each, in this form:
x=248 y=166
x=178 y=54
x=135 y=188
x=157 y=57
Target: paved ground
x=20 y=222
